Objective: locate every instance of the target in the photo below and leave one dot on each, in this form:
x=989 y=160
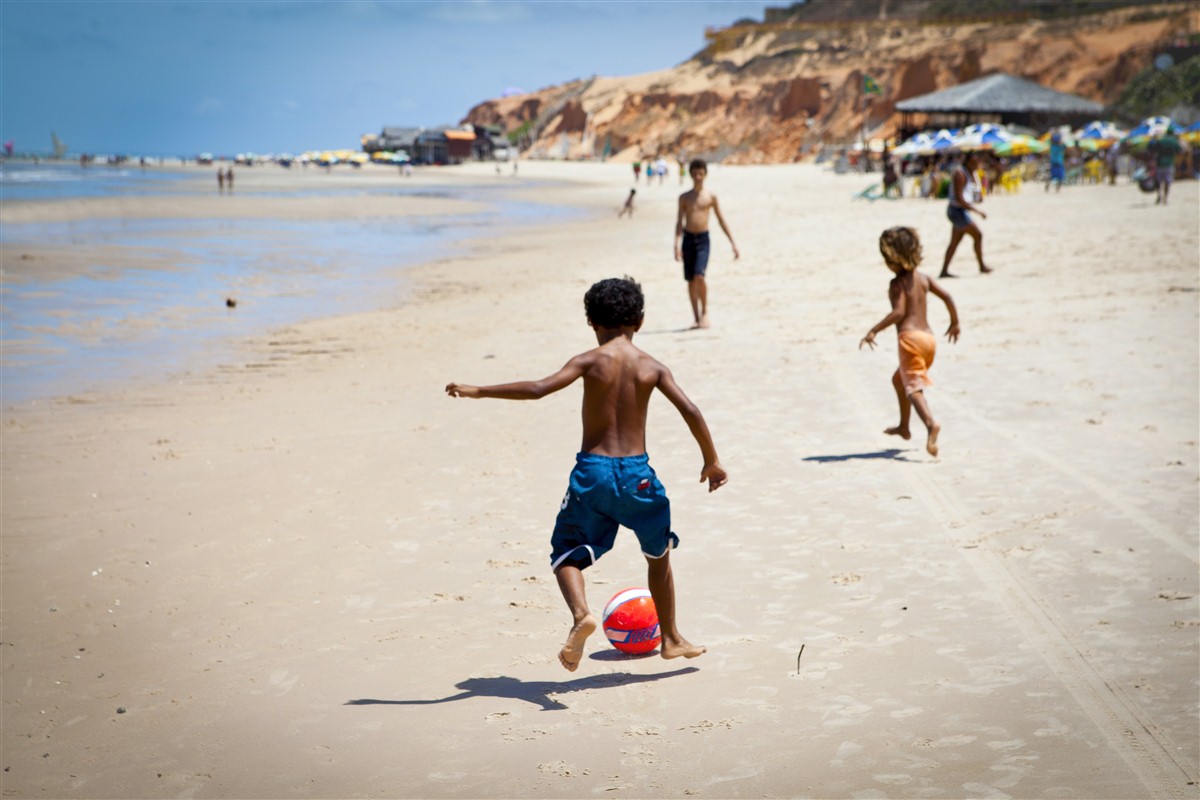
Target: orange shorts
x=917 y=349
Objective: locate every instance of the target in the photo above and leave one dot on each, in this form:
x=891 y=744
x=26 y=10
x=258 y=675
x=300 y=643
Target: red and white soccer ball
x=631 y=621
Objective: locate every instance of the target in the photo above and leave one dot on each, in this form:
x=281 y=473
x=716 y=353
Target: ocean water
x=24 y=180
x=123 y=321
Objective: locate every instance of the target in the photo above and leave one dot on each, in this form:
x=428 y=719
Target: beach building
x=459 y=145
x=490 y=144
x=392 y=138
x=999 y=98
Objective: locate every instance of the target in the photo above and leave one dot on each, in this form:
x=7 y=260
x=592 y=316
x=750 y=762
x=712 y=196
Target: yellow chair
x=1010 y=180
x=1092 y=170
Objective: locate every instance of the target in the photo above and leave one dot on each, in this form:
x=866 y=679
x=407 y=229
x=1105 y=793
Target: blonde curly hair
x=901 y=247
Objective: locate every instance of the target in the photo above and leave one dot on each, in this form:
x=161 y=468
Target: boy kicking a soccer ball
x=908 y=291
x=612 y=483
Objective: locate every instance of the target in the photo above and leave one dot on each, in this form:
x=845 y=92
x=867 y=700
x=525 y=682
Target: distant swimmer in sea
x=908 y=292
x=628 y=207
x=691 y=239
x=613 y=483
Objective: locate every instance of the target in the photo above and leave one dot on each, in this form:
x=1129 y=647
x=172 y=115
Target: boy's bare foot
x=903 y=433
x=703 y=323
x=572 y=652
x=985 y=270
x=947 y=275
x=682 y=648
x=931 y=445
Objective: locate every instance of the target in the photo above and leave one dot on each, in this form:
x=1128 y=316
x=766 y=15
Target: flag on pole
x=870 y=86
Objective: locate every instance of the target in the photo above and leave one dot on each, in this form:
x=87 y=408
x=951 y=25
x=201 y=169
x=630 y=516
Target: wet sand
x=308 y=573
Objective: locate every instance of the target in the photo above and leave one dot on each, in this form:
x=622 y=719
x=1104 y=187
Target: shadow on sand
x=893 y=454
x=539 y=693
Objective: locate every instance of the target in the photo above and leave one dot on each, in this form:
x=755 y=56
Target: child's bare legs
x=901 y=430
x=662 y=589
x=918 y=402
x=570 y=582
x=698 y=295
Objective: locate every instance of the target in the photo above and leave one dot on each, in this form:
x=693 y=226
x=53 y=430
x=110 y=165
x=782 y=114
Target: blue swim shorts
x=604 y=493
x=1058 y=172
x=695 y=254
x=958 y=216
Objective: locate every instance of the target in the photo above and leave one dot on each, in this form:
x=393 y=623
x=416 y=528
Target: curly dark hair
x=615 y=302
x=901 y=247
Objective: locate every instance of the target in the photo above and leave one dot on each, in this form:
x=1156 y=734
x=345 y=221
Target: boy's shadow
x=893 y=454
x=536 y=692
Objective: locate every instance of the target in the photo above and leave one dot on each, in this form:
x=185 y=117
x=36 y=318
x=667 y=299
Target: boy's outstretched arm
x=712 y=471
x=524 y=390
x=725 y=228
x=953 y=331
x=899 y=308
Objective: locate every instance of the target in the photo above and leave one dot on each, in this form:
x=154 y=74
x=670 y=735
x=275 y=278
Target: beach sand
x=309 y=573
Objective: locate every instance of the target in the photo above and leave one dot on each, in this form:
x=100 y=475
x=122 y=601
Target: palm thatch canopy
x=1000 y=94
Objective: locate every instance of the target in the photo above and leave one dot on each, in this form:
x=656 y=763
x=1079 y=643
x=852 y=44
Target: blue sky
x=177 y=78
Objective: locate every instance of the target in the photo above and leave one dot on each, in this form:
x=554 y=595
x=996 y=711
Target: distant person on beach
x=220 y=180
x=613 y=483
x=637 y=171
x=1164 y=148
x=1058 y=163
x=682 y=166
x=660 y=168
x=229 y=178
x=691 y=239
x=908 y=291
x=891 y=180
x=964 y=190
x=1111 y=156
x=628 y=207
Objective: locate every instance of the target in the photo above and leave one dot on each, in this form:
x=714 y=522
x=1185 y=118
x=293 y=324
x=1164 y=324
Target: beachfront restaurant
x=998 y=98
x=443 y=146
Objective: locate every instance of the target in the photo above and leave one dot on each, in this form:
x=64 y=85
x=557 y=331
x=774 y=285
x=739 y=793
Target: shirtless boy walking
x=901 y=251
x=691 y=239
x=612 y=483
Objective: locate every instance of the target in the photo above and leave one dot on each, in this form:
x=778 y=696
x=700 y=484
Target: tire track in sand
x=1131 y=733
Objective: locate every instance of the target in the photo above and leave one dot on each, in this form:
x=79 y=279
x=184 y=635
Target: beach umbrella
x=1020 y=144
x=939 y=143
x=914 y=145
x=1152 y=126
x=981 y=137
x=1101 y=131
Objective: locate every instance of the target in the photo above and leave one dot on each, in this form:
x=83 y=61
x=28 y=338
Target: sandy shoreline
x=309 y=574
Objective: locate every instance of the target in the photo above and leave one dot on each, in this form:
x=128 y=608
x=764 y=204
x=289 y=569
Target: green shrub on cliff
x=1156 y=91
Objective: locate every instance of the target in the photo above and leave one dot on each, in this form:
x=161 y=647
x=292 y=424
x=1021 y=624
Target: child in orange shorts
x=908 y=291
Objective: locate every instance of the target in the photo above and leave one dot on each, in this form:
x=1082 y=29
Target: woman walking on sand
x=962 y=187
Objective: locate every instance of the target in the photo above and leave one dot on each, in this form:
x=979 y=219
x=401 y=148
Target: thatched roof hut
x=1000 y=98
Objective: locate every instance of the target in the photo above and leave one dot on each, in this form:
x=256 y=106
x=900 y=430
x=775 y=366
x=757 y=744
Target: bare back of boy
x=913 y=287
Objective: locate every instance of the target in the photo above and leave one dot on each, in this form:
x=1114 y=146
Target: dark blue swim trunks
x=695 y=254
x=958 y=216
x=604 y=493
